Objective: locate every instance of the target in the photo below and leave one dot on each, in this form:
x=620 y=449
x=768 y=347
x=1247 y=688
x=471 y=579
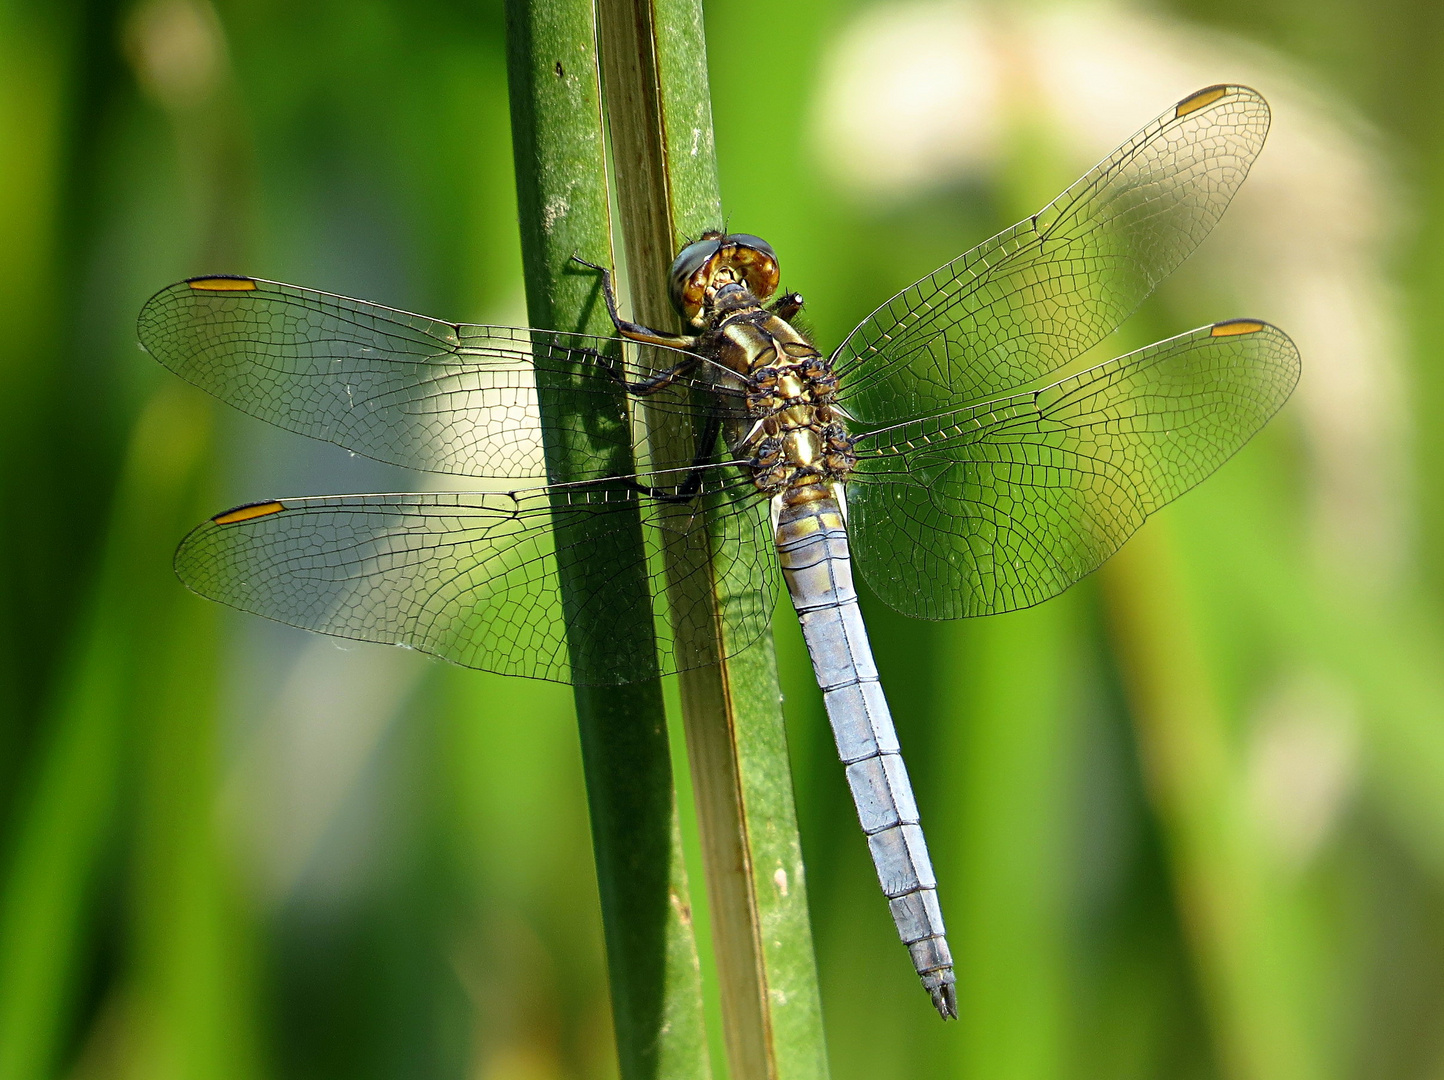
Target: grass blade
x=660 y=119
x=562 y=199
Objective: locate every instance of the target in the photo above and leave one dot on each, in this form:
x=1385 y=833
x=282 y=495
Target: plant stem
x=1235 y=905
x=562 y=200
x=660 y=119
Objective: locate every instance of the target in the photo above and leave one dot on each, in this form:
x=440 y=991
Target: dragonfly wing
x=401 y=388
x=1020 y=306
x=472 y=577
x=1004 y=504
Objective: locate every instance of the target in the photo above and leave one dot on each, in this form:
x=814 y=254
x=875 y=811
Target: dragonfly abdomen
x=813 y=551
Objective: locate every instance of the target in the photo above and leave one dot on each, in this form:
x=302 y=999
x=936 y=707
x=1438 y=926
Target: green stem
x=660 y=119
x=49 y=884
x=1236 y=907
x=562 y=202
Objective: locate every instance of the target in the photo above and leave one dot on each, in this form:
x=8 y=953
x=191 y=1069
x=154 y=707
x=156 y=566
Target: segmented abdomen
x=812 y=548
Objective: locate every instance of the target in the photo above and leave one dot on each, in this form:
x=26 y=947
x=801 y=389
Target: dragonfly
x=954 y=444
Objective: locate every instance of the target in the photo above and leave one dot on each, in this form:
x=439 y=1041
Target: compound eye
x=688 y=280
x=757 y=262
x=756 y=243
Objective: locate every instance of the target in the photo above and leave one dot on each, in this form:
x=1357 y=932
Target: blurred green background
x=1188 y=819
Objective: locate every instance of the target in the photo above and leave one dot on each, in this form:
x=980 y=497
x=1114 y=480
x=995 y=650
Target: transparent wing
x=1019 y=307
x=474 y=578
x=402 y=388
x=1004 y=504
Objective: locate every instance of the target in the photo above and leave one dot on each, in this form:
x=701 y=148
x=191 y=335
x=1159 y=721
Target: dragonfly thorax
x=794 y=435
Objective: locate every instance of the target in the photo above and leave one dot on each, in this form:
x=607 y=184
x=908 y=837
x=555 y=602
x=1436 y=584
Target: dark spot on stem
x=560 y=71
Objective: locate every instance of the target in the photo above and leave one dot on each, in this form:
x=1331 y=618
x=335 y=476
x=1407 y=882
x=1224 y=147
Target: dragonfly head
x=719 y=265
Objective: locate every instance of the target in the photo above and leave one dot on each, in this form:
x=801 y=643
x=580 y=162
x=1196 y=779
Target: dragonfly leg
x=646 y=336
x=787 y=306
x=688 y=489
x=660 y=381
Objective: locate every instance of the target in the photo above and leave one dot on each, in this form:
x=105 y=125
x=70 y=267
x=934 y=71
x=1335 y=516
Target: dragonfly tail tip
x=944 y=993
